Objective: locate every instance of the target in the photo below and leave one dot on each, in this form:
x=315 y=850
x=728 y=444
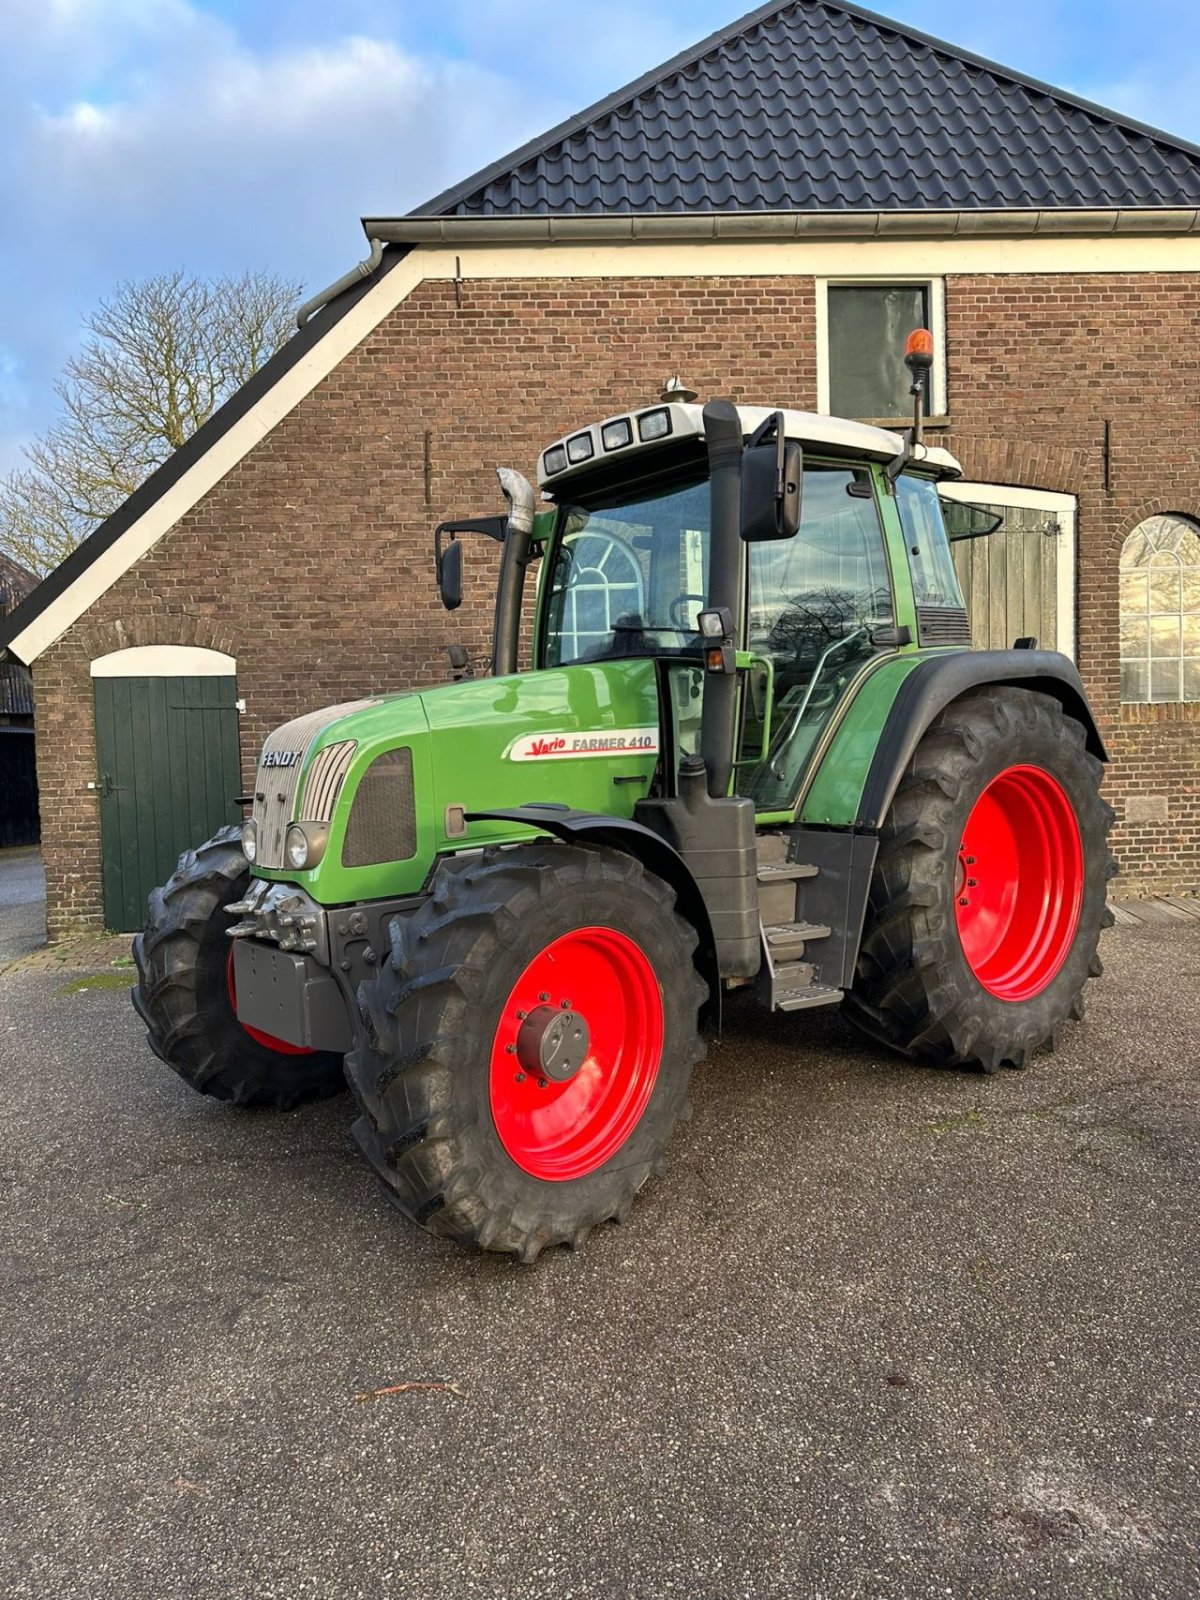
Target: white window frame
x=938 y=403
x=1064 y=507
x=1149 y=616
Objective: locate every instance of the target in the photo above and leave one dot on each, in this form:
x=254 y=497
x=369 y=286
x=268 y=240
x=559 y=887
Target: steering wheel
x=677 y=612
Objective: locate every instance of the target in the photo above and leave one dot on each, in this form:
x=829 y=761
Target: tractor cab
x=823 y=589
x=836 y=561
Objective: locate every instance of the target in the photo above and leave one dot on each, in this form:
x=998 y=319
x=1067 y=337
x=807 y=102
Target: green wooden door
x=168 y=775
x=1012 y=580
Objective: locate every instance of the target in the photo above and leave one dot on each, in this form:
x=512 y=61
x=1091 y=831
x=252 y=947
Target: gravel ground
x=880 y=1332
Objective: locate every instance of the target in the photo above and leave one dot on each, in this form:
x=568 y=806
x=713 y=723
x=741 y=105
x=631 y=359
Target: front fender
x=655 y=854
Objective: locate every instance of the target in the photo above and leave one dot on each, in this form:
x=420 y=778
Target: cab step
x=786 y=940
x=796 y=984
x=785 y=871
x=813 y=994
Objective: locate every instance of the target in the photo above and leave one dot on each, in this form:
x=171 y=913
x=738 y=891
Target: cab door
x=819 y=609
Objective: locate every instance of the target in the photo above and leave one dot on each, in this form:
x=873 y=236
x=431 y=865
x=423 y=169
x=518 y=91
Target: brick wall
x=311 y=562
x=1038 y=365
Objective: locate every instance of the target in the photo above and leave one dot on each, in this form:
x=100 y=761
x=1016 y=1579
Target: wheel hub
x=576 y=1053
x=1018 y=884
x=553 y=1043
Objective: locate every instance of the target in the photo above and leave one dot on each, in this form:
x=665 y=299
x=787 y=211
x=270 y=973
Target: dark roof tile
x=819 y=105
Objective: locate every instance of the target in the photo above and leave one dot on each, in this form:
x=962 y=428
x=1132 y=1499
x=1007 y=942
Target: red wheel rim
x=1019 y=883
x=558 y=1131
x=267 y=1039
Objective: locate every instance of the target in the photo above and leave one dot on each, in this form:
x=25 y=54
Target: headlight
x=304 y=845
x=250 y=840
x=716 y=624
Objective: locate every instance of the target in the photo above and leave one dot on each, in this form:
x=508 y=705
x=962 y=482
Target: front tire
x=989 y=890
x=530 y=1045
x=184 y=993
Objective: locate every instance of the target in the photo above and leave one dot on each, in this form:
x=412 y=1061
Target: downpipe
x=519 y=497
x=364 y=269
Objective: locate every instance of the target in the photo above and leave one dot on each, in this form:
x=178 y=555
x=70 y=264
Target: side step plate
x=786 y=940
x=786 y=871
x=813 y=994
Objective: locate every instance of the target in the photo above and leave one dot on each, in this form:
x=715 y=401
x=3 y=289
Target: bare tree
x=161 y=355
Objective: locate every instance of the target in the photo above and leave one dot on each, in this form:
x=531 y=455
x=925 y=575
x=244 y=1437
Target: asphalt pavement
x=880 y=1332
x=22 y=903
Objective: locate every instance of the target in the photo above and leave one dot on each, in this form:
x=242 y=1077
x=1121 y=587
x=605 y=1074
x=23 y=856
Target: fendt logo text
x=281 y=758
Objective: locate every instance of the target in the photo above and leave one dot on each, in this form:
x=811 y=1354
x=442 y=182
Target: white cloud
x=234 y=129
x=161 y=139
x=220 y=135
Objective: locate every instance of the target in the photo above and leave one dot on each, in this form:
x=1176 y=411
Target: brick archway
x=1161 y=506
x=990 y=460
x=96 y=639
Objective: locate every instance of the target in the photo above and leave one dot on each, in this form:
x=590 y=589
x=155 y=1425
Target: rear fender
x=655 y=854
x=939 y=681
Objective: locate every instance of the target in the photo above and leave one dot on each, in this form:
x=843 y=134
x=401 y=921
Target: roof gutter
x=627 y=226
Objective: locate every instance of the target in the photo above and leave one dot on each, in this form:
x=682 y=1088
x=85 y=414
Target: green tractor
x=755 y=752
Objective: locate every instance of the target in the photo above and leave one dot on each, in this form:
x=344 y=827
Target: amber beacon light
x=918 y=350
x=918 y=358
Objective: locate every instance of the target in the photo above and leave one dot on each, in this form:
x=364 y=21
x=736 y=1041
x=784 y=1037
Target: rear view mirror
x=772 y=474
x=449 y=575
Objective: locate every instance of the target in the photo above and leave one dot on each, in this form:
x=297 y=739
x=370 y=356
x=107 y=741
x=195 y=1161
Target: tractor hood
x=392 y=782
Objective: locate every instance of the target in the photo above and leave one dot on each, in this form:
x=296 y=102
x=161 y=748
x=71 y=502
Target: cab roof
x=634 y=433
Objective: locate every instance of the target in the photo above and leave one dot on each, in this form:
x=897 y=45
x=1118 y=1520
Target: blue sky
x=220 y=135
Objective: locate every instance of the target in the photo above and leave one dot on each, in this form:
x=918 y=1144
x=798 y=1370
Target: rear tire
x=472 y=1143
x=989 y=890
x=183 y=990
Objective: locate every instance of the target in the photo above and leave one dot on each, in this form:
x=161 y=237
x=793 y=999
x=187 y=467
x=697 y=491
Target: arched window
x=1160 y=611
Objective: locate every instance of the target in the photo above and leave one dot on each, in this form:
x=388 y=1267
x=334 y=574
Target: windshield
x=628 y=579
x=935 y=581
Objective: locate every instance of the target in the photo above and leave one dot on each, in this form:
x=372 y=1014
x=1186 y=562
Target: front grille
x=325 y=779
x=943 y=625
x=383 y=818
x=275 y=787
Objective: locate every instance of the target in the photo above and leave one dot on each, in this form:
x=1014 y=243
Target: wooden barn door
x=1020 y=581
x=168 y=777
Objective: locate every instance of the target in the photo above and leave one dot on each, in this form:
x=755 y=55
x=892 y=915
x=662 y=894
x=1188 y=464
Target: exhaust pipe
x=519 y=497
x=718 y=713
